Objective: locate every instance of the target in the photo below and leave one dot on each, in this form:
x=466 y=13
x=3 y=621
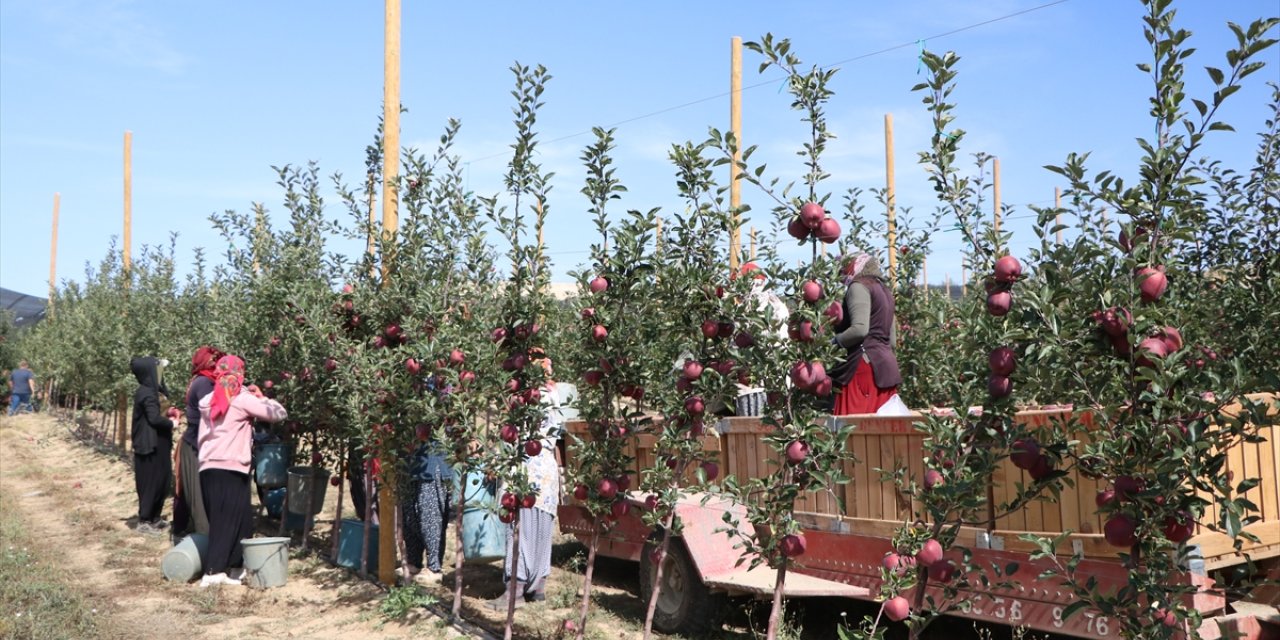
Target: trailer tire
x=685 y=605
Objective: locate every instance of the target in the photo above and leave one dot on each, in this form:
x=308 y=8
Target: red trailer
x=847 y=542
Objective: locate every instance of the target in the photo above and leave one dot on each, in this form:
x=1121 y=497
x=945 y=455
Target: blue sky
x=216 y=93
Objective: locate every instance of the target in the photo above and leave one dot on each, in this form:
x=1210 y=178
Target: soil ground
x=67 y=539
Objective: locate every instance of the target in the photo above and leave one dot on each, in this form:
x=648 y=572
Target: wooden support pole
x=128 y=200
x=753 y=244
x=948 y=281
x=964 y=281
x=735 y=123
x=1057 y=207
x=995 y=196
x=890 y=200
x=390 y=201
x=924 y=275
x=53 y=253
x=657 y=236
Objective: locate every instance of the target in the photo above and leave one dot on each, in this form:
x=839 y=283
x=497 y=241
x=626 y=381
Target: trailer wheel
x=685 y=604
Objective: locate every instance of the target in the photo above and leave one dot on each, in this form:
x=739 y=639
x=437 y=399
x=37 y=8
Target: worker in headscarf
x=869 y=375
x=152 y=439
x=188 y=506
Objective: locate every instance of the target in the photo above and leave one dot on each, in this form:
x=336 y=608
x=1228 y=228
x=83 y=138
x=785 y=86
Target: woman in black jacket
x=152 y=446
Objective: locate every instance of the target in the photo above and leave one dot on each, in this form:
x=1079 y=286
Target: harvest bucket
x=273 y=500
x=270 y=464
x=185 y=561
x=350 y=543
x=302 y=491
x=484 y=537
x=266 y=562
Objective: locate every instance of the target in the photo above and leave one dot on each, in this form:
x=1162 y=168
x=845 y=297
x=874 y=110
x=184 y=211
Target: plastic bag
x=894 y=407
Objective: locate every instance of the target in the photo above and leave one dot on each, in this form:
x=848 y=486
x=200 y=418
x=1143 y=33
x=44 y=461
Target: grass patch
x=35 y=599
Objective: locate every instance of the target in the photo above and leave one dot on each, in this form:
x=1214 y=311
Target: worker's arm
x=857 y=303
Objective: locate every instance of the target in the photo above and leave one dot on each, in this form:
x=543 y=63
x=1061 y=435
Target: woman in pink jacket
x=226 y=442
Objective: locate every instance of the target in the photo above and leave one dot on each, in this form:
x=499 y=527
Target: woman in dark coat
x=188 y=507
x=152 y=436
x=869 y=376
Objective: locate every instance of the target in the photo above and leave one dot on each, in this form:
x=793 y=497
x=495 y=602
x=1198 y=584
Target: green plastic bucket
x=185 y=561
x=302 y=490
x=266 y=562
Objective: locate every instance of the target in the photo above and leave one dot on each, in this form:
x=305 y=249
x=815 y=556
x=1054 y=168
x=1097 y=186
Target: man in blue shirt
x=21 y=383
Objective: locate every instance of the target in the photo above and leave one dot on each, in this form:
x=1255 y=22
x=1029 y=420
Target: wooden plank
x=1268 y=456
x=1235 y=466
x=915 y=458
x=1249 y=454
x=888 y=499
x=875 y=507
x=1068 y=507
x=861 y=506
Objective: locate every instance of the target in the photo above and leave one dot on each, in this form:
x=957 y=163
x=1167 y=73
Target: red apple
x=710 y=329
x=1179 y=527
x=711 y=470
x=1105 y=497
x=933 y=478
x=1003 y=360
x=1167 y=618
x=509 y=500
x=598 y=284
x=829 y=230
x=743 y=340
x=593 y=378
x=792 y=545
x=422 y=432
x=1151 y=349
x=607 y=488
x=588 y=313
x=1126 y=243
x=533 y=448
x=694 y=405
x=348 y=289
x=835 y=311
x=801 y=331
x=692 y=369
x=724 y=329
x=466 y=377
x=1152 y=283
x=796 y=229
x=811 y=291
x=1128 y=486
x=823 y=387
x=929 y=553
x=498 y=335
x=897 y=608
x=812 y=214
x=456 y=357
x=1008 y=269
x=1172 y=338
x=268 y=384
x=580 y=492
x=999 y=386
x=1041 y=469
x=892 y=561
x=335 y=481
x=624 y=482
x=509 y=433
x=802 y=375
x=684 y=385
x=1024 y=452
x=1119 y=531
x=412 y=366
x=528 y=501
x=797 y=451
x=392 y=331
x=651 y=502
x=942 y=571
x=330 y=364
x=998 y=303
x=599 y=333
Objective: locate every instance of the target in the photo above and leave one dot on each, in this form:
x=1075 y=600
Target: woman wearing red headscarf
x=188 y=506
x=226 y=444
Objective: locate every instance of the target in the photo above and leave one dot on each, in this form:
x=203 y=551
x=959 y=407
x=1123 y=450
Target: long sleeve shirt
x=228 y=442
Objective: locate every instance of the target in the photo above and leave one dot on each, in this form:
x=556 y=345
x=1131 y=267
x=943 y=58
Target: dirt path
x=77 y=503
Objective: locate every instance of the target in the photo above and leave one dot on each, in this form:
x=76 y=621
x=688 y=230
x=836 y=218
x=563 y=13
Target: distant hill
x=26 y=310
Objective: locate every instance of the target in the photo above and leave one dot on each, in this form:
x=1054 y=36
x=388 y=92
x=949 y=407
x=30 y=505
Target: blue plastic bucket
x=350 y=543
x=484 y=537
x=271 y=465
x=275 y=505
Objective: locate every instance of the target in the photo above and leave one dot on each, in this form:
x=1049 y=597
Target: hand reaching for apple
x=253 y=388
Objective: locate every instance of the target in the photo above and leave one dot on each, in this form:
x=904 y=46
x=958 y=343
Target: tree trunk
x=337 y=518
x=657 y=576
x=368 y=519
x=512 y=581
x=458 y=552
x=775 y=614
x=586 y=579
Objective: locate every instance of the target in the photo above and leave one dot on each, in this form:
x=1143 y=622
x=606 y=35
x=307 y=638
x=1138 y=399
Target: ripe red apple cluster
x=813 y=221
x=1002 y=361
x=930 y=555
x=1026 y=454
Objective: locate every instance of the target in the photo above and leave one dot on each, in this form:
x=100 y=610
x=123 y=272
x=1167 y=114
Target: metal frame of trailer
x=847 y=542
